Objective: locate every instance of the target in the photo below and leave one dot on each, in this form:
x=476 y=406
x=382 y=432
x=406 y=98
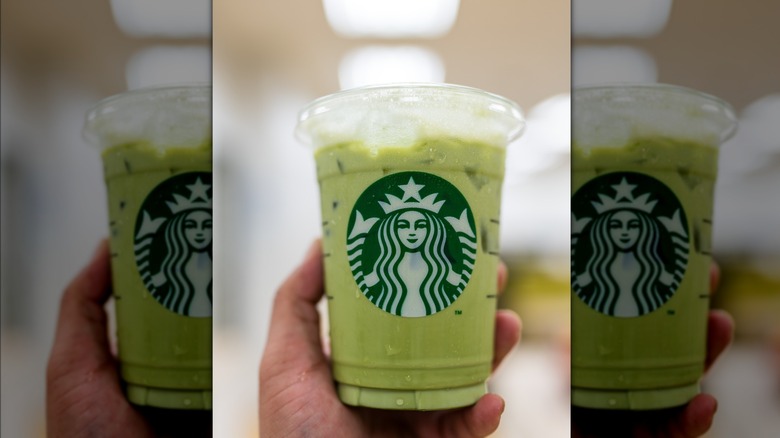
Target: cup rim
x=154 y=89
x=328 y=102
x=112 y=103
x=708 y=102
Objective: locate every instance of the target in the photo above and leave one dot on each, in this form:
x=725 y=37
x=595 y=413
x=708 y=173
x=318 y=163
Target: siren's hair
x=645 y=290
x=394 y=292
x=181 y=291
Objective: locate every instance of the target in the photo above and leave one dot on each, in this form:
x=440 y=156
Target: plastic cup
x=410 y=180
x=156 y=150
x=644 y=162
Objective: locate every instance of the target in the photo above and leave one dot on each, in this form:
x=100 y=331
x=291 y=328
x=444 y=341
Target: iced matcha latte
x=157 y=167
x=410 y=179
x=644 y=162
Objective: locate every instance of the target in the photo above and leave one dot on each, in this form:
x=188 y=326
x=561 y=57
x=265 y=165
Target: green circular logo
x=630 y=244
x=411 y=243
x=173 y=234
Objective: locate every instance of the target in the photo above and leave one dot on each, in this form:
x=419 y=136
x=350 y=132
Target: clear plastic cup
x=644 y=163
x=156 y=149
x=410 y=179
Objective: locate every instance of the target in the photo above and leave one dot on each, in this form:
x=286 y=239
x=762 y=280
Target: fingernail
x=99 y=249
x=313 y=249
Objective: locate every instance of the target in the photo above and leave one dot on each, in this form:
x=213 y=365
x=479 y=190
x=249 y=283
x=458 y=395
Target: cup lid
x=394 y=114
x=163 y=116
x=612 y=114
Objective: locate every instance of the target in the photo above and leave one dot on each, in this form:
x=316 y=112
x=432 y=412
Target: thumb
x=83 y=392
x=479 y=420
x=294 y=337
x=81 y=340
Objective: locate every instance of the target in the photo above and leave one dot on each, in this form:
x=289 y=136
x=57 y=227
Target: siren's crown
x=623 y=199
x=199 y=198
x=411 y=199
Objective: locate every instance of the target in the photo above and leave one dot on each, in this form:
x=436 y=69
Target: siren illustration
x=173 y=244
x=629 y=252
x=412 y=255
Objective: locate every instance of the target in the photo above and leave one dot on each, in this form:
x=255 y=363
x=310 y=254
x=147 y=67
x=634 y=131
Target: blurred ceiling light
x=619 y=18
x=537 y=189
x=383 y=64
x=760 y=120
x=599 y=65
x=163 y=18
x=539 y=211
x=756 y=144
x=160 y=65
x=551 y=121
x=391 y=18
x=546 y=140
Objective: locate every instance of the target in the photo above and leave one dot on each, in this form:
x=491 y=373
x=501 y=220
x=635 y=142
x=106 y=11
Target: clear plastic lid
x=402 y=114
x=613 y=115
x=170 y=116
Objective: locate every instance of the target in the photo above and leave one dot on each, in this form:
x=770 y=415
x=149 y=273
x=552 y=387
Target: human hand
x=774 y=355
x=691 y=420
x=84 y=394
x=297 y=393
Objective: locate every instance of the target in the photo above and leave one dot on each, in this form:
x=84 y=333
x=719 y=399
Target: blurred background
x=727 y=49
x=58 y=59
x=271 y=58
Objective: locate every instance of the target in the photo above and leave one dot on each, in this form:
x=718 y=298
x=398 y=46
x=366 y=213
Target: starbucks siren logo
x=411 y=255
x=630 y=244
x=173 y=234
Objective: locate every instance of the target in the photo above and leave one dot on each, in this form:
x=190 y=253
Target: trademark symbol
x=458 y=312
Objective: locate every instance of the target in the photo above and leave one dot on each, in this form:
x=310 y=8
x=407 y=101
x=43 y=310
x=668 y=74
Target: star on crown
x=199 y=198
x=624 y=198
x=411 y=199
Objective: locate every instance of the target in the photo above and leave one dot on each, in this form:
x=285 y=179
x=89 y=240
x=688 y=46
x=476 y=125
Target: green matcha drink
x=410 y=180
x=644 y=163
x=157 y=166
